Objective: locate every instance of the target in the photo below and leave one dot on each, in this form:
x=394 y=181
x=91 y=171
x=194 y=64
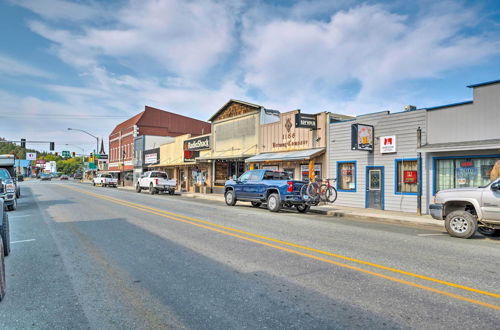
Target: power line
x=18 y=115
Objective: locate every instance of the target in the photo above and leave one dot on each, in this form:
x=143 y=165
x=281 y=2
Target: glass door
x=375 y=187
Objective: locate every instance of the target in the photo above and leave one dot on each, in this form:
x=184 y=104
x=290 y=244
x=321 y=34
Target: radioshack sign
x=387 y=144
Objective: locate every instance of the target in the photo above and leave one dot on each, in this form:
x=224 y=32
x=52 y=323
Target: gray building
x=379 y=169
x=459 y=145
x=463 y=140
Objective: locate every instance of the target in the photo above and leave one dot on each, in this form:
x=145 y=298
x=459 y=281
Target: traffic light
x=73 y=154
x=52 y=146
x=23 y=143
x=56 y=153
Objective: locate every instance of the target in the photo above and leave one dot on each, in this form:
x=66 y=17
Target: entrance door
x=375 y=187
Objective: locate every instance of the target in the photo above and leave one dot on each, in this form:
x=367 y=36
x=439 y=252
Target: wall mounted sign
x=387 y=144
x=199 y=143
x=31 y=156
x=189 y=154
x=152 y=156
x=410 y=176
x=362 y=137
x=303 y=120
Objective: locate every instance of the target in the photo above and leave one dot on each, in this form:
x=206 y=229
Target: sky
x=90 y=64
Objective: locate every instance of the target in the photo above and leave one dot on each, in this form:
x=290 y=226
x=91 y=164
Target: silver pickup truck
x=467 y=210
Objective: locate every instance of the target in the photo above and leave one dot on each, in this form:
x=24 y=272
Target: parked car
x=78 y=176
x=4 y=246
x=45 y=177
x=8 y=190
x=155 y=182
x=105 y=180
x=4 y=230
x=469 y=209
x=7 y=162
x=64 y=177
x=274 y=188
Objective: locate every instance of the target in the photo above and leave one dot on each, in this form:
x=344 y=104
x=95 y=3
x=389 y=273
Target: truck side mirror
x=495 y=186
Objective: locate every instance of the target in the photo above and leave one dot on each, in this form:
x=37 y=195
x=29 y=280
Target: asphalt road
x=101 y=258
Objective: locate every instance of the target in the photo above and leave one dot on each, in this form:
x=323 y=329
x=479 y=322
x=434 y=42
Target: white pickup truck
x=469 y=209
x=155 y=182
x=105 y=180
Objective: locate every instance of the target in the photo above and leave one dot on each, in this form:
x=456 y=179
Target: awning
x=286 y=156
x=461 y=146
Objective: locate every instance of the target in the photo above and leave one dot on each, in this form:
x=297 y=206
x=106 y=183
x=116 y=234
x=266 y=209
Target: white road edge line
x=26 y=240
x=20 y=216
x=422 y=235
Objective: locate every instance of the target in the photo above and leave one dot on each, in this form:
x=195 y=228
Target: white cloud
x=368 y=44
x=12 y=67
x=60 y=10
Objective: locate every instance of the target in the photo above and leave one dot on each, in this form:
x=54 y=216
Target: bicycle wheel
x=331 y=194
x=323 y=193
x=303 y=191
x=312 y=190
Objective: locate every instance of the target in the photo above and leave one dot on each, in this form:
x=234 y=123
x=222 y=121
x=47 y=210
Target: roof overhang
x=461 y=146
x=286 y=156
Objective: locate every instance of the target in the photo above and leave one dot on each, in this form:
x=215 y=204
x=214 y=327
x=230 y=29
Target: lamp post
x=95 y=137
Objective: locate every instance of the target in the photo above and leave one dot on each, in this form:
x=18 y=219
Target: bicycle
x=316 y=190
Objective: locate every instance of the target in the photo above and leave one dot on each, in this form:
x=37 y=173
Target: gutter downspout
x=419 y=172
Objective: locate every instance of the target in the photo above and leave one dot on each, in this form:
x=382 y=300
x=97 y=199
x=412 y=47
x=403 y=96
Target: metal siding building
x=404 y=126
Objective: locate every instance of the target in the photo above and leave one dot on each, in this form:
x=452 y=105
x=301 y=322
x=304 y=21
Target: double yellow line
x=251 y=238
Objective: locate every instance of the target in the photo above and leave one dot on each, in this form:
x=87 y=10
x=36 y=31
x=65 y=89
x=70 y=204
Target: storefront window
x=406 y=176
x=346 y=176
x=304 y=170
x=463 y=172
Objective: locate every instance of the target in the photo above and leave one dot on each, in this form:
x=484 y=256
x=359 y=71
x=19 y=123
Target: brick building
x=151 y=121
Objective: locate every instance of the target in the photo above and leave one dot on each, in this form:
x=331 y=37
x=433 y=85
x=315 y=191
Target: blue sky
x=91 y=64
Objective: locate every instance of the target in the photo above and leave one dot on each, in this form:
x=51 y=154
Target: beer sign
x=362 y=137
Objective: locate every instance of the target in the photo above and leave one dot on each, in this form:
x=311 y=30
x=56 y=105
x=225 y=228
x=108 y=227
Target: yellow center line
x=210 y=226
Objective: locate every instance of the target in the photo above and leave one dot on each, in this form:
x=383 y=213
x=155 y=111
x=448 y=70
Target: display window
x=346 y=176
x=406 y=176
x=304 y=170
x=463 y=172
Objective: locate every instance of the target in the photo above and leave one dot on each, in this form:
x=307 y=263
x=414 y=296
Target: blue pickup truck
x=274 y=188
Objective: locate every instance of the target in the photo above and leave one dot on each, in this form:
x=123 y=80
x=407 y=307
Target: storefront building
x=296 y=144
x=375 y=161
x=146 y=144
x=463 y=140
x=235 y=137
x=180 y=164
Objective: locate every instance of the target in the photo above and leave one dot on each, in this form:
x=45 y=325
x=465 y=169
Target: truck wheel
x=303 y=208
x=230 y=198
x=13 y=207
x=171 y=192
x=2 y=271
x=256 y=204
x=137 y=188
x=151 y=189
x=461 y=224
x=93 y=183
x=5 y=234
x=18 y=193
x=486 y=231
x=274 y=202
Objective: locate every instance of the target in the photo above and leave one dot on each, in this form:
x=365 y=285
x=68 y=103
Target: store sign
x=40 y=162
x=200 y=143
x=303 y=120
x=31 y=156
x=152 y=156
x=410 y=176
x=387 y=144
x=362 y=137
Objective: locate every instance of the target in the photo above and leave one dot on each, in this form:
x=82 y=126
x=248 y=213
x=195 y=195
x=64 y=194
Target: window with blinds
x=346 y=176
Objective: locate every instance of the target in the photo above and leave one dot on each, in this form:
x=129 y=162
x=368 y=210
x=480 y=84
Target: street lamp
x=95 y=137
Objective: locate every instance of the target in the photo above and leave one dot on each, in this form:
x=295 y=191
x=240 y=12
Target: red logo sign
x=388 y=141
x=410 y=176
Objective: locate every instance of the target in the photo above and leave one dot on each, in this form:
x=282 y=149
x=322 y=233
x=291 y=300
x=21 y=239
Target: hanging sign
x=387 y=144
x=303 y=120
x=362 y=137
